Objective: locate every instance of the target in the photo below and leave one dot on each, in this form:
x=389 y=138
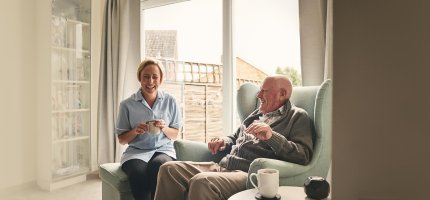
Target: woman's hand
x=160 y=123
x=141 y=128
x=128 y=136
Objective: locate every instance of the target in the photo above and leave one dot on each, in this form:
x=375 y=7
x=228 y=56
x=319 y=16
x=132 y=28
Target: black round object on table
x=259 y=197
x=317 y=187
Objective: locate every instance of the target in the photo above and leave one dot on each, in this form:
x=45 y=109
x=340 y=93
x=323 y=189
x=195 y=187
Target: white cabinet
x=65 y=152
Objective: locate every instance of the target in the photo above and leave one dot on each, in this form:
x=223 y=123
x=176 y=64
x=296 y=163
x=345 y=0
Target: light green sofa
x=115 y=185
x=316 y=100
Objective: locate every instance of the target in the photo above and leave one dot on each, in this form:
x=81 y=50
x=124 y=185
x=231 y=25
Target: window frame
x=147 y=4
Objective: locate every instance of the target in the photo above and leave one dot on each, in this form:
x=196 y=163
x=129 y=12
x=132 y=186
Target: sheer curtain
x=316 y=40
x=120 y=56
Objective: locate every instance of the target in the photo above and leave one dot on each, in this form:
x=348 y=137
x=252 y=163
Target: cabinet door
x=70 y=136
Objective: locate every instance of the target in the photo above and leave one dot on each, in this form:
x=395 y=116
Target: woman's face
x=150 y=80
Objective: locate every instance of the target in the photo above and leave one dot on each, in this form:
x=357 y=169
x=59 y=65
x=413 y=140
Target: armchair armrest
x=289 y=173
x=286 y=169
x=187 y=150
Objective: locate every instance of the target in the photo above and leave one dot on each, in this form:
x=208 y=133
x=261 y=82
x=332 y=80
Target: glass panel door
x=187 y=38
x=70 y=88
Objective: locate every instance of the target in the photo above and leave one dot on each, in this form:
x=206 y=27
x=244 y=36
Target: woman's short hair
x=147 y=62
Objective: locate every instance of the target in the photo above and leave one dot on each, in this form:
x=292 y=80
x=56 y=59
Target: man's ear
x=284 y=94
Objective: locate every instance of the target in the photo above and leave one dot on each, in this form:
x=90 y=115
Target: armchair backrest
x=247 y=100
x=316 y=100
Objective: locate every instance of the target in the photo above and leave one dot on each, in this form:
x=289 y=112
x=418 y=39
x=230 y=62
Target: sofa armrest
x=187 y=150
x=286 y=169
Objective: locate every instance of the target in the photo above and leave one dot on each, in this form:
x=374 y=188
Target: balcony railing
x=194 y=72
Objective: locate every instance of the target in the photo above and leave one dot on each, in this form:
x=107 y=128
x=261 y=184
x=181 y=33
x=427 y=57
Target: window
x=267 y=39
x=188 y=38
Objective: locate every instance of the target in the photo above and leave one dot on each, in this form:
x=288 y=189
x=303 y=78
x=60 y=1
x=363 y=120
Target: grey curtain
x=316 y=40
x=120 y=56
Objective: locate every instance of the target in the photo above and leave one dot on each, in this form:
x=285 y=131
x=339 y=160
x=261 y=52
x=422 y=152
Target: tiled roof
x=161 y=43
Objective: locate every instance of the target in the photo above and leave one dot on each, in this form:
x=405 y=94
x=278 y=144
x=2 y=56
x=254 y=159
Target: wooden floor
x=88 y=190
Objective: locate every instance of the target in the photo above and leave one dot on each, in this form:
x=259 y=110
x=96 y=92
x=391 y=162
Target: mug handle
x=250 y=179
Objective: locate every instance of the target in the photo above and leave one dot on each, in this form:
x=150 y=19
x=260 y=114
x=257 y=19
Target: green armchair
x=316 y=100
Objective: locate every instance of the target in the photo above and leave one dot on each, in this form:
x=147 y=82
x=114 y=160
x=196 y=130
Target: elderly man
x=277 y=130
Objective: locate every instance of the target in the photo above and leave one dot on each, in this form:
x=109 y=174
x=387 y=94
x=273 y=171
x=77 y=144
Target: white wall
x=18 y=91
x=381 y=102
x=21 y=62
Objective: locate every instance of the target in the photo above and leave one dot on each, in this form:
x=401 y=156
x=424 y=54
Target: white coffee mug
x=152 y=129
x=268 y=182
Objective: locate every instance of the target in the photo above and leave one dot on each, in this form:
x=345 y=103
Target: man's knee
x=199 y=181
x=169 y=167
x=204 y=186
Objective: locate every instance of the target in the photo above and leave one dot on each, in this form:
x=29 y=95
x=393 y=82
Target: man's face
x=270 y=96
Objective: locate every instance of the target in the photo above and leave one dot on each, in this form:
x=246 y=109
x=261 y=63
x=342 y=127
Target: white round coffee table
x=286 y=192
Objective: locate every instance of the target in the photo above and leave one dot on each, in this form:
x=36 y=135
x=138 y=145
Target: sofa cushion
x=112 y=174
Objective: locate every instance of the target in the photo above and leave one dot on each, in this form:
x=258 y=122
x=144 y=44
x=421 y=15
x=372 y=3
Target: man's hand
x=215 y=145
x=260 y=130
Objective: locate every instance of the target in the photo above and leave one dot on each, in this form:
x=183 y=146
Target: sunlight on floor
x=88 y=190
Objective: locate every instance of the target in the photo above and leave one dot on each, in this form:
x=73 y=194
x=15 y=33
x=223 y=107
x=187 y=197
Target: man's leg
x=216 y=185
x=173 y=178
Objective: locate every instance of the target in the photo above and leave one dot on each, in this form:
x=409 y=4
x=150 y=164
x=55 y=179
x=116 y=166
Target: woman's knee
x=158 y=161
x=134 y=166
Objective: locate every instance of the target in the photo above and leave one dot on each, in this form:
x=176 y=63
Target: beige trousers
x=198 y=181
